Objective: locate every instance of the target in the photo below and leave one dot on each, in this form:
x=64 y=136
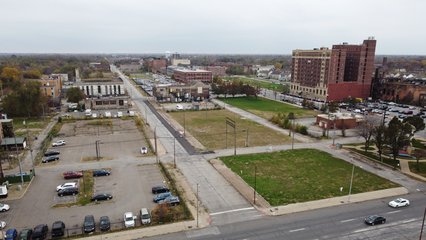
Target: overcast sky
x=209 y=26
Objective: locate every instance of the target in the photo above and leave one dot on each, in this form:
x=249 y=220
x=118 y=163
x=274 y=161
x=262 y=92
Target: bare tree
x=366 y=129
x=379 y=139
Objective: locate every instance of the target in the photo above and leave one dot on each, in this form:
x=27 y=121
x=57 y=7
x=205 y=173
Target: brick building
x=216 y=70
x=408 y=91
x=156 y=65
x=196 y=91
x=325 y=74
x=187 y=75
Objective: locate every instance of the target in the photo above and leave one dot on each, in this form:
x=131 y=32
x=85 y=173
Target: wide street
x=226 y=205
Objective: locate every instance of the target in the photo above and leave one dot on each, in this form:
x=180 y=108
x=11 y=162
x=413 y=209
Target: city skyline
x=219 y=27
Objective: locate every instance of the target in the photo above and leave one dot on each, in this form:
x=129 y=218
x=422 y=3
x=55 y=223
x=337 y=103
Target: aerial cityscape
x=212 y=120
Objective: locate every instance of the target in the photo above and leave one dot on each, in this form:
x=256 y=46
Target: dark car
x=72 y=174
x=101 y=172
x=58 y=229
x=51 y=153
x=68 y=191
x=89 y=224
x=11 y=234
x=101 y=197
x=50 y=159
x=172 y=200
x=375 y=219
x=161 y=196
x=104 y=223
x=25 y=234
x=40 y=232
x=159 y=189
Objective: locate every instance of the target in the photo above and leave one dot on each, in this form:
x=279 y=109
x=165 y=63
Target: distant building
x=325 y=74
x=187 y=75
x=51 y=86
x=101 y=87
x=339 y=120
x=195 y=91
x=156 y=65
x=400 y=90
x=177 y=62
x=216 y=70
x=131 y=67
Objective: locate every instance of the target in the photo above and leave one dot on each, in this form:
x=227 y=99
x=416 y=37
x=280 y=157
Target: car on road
x=4 y=207
x=399 y=202
x=25 y=234
x=161 y=196
x=104 y=223
x=11 y=234
x=68 y=191
x=129 y=219
x=101 y=197
x=374 y=219
x=101 y=172
x=144 y=150
x=51 y=153
x=72 y=174
x=172 y=201
x=58 y=229
x=160 y=189
x=40 y=232
x=89 y=224
x=66 y=185
x=58 y=143
x=50 y=159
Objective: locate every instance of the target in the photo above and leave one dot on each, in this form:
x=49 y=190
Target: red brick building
x=334 y=74
x=187 y=75
x=216 y=70
x=156 y=65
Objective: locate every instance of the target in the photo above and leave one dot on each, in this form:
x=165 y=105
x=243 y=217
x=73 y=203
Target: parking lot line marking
x=233 y=210
x=297 y=230
x=393 y=212
x=348 y=220
x=409 y=220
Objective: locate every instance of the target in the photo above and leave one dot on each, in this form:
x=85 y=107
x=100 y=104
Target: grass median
x=302 y=175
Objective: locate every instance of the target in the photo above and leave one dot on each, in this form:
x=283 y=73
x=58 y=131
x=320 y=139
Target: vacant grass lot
x=209 y=128
x=266 y=108
x=302 y=175
x=257 y=83
x=422 y=168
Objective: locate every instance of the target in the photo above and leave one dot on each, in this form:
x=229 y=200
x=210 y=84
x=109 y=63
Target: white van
x=145 y=216
x=119 y=114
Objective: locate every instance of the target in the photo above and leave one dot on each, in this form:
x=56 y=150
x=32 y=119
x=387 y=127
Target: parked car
x=11 y=234
x=73 y=174
x=66 y=185
x=58 y=143
x=144 y=150
x=145 y=216
x=40 y=232
x=2 y=224
x=172 y=201
x=101 y=172
x=129 y=219
x=89 y=224
x=104 y=223
x=51 y=153
x=68 y=191
x=399 y=202
x=161 y=196
x=160 y=189
x=374 y=219
x=26 y=234
x=119 y=114
x=58 y=229
x=4 y=207
x=50 y=159
x=101 y=197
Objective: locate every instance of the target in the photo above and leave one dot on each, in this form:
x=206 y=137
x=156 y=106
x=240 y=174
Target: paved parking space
x=130 y=181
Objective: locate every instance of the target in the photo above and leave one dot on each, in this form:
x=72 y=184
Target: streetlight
x=350 y=185
x=31 y=150
x=17 y=156
x=197 y=205
x=254 y=192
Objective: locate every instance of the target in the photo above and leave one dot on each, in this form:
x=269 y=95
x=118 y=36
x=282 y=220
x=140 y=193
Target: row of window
x=309 y=90
x=109 y=89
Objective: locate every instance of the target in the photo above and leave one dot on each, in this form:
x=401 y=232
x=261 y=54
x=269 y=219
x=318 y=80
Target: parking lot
x=130 y=182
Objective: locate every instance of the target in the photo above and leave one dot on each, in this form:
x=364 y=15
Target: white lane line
x=361 y=230
x=348 y=220
x=409 y=220
x=233 y=210
x=393 y=212
x=297 y=230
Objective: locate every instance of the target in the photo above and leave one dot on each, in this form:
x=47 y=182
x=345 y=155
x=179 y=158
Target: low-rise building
x=107 y=102
x=339 y=120
x=187 y=75
x=155 y=65
x=177 y=62
x=216 y=70
x=196 y=91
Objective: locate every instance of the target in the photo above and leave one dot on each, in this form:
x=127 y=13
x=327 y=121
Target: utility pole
x=247 y=140
x=197 y=205
x=423 y=223
x=184 y=124
x=17 y=156
x=174 y=152
x=350 y=186
x=235 y=141
x=155 y=142
x=29 y=146
x=254 y=192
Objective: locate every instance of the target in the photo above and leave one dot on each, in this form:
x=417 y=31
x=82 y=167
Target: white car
x=179 y=107
x=66 y=185
x=119 y=114
x=4 y=207
x=399 y=202
x=129 y=219
x=58 y=143
x=107 y=114
x=2 y=224
x=144 y=150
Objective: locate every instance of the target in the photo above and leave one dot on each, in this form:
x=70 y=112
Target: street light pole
x=350 y=186
x=197 y=205
x=29 y=145
x=423 y=223
x=174 y=152
x=17 y=156
x=155 y=142
x=184 y=124
x=254 y=192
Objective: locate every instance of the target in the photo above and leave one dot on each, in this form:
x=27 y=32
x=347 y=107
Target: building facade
x=156 y=65
x=334 y=74
x=187 y=76
x=196 y=91
x=101 y=87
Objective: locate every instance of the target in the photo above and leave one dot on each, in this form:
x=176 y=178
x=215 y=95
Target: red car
x=75 y=174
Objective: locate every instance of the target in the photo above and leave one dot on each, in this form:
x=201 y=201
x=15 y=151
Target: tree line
x=220 y=87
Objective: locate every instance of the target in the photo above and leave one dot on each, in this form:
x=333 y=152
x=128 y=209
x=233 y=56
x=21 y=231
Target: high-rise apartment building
x=334 y=74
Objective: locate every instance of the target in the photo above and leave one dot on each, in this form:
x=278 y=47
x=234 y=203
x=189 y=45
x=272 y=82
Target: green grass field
x=422 y=168
x=209 y=128
x=266 y=108
x=257 y=83
x=302 y=175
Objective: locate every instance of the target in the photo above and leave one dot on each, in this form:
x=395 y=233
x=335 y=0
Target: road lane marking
x=393 y=212
x=233 y=210
x=348 y=220
x=297 y=230
x=409 y=220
